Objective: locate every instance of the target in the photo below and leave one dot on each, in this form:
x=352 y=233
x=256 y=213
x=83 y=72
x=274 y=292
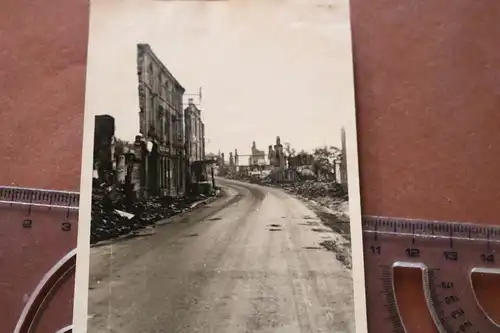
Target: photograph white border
x=80 y=304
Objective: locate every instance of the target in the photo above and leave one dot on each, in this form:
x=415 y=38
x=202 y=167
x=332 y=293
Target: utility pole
x=213 y=176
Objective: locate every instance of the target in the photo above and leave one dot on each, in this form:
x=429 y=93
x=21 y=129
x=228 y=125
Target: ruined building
x=271 y=155
x=279 y=160
x=257 y=157
x=211 y=156
x=299 y=160
x=194 y=142
x=161 y=126
x=104 y=137
x=236 y=158
x=124 y=157
x=139 y=175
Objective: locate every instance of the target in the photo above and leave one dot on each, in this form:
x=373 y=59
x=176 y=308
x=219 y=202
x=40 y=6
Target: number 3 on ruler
x=66 y=226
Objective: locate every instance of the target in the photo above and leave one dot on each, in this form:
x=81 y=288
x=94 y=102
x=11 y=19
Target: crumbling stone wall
x=258 y=157
x=104 y=132
x=280 y=155
x=271 y=155
x=300 y=159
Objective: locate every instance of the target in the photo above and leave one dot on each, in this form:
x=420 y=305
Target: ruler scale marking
x=37 y=233
x=447 y=253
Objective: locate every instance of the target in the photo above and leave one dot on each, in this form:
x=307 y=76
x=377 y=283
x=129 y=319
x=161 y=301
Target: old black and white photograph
x=220 y=197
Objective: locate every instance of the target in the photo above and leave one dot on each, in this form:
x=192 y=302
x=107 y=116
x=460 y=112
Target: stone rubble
x=113 y=217
x=328 y=194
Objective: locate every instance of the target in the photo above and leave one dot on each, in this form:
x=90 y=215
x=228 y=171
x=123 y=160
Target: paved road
x=249 y=262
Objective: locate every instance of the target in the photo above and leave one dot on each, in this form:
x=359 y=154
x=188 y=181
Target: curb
x=194 y=206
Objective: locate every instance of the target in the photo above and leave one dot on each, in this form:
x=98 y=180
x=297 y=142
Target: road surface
x=248 y=262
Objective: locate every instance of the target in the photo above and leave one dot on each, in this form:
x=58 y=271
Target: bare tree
x=289 y=150
x=325 y=160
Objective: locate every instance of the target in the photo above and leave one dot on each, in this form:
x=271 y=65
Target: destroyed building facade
x=194 y=141
x=279 y=155
x=257 y=157
x=327 y=163
x=104 y=138
x=195 y=136
x=161 y=126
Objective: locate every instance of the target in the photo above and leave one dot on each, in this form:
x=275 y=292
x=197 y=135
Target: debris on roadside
x=329 y=194
x=341 y=251
x=328 y=200
x=124 y=214
x=112 y=216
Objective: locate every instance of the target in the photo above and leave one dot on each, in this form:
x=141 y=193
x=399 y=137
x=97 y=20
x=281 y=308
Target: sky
x=267 y=68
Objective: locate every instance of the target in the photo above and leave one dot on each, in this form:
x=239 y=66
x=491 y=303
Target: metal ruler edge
x=11 y=195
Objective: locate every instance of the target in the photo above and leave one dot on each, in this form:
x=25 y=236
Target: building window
x=151 y=112
x=168 y=125
x=158 y=85
x=174 y=128
x=150 y=75
x=161 y=123
x=169 y=92
x=171 y=133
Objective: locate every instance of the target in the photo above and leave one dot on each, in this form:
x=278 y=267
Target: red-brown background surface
x=42 y=85
x=427 y=89
x=428 y=107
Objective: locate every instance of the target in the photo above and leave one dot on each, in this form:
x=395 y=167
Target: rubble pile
x=245 y=178
x=113 y=216
x=311 y=189
x=329 y=194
